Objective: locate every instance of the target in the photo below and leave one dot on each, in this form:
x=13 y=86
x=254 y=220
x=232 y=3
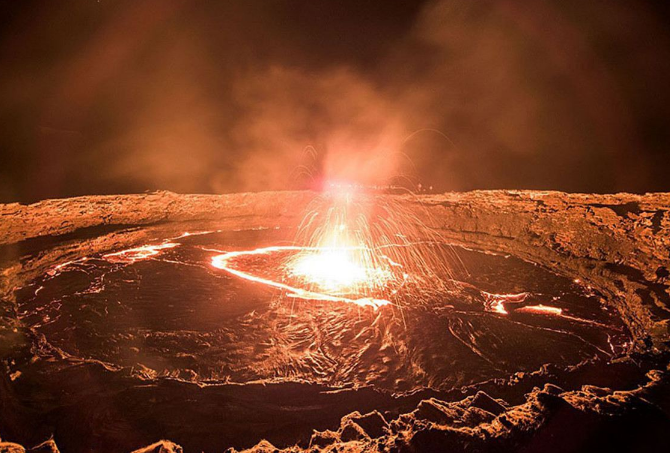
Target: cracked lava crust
x=122 y=331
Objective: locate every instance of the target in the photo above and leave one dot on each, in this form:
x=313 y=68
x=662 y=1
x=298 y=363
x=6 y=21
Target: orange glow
x=226 y=262
x=353 y=247
x=138 y=253
x=338 y=261
x=541 y=310
x=499 y=308
x=56 y=269
x=496 y=302
x=337 y=270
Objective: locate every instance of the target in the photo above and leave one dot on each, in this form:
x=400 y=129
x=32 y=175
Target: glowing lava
x=351 y=247
x=138 y=253
x=338 y=279
x=337 y=270
x=541 y=310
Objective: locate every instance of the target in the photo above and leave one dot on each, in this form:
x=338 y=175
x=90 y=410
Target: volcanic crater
x=121 y=332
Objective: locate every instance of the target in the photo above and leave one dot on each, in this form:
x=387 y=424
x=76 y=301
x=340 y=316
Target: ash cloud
x=113 y=97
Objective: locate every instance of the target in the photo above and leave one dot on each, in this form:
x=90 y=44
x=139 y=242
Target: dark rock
x=436 y=412
x=598 y=391
x=485 y=402
x=323 y=438
x=373 y=423
x=475 y=416
x=48 y=446
x=552 y=389
x=351 y=431
x=162 y=446
x=436 y=439
x=10 y=447
x=549 y=401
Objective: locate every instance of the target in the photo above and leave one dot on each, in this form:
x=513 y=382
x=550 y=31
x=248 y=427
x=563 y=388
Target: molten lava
x=336 y=278
x=138 y=253
x=343 y=263
x=350 y=247
x=338 y=270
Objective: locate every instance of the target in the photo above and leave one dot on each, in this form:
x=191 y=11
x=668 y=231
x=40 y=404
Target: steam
x=464 y=95
x=334 y=125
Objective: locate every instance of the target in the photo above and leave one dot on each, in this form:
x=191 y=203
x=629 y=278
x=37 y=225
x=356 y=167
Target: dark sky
x=104 y=96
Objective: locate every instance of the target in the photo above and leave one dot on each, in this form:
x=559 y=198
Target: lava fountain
x=351 y=246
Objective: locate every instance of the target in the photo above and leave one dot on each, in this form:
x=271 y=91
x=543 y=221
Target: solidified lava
x=164 y=309
x=117 y=336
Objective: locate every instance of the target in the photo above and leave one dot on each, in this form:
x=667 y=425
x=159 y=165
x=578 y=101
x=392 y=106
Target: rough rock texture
x=550 y=420
x=163 y=446
x=57 y=217
x=48 y=446
x=618 y=244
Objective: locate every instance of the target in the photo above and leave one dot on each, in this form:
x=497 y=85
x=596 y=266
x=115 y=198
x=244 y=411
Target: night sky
x=101 y=97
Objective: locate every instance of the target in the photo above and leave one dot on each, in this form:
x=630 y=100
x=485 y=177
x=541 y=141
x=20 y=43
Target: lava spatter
x=337 y=277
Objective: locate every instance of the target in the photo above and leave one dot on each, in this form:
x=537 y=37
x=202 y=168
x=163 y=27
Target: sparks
x=336 y=270
x=230 y=262
x=350 y=247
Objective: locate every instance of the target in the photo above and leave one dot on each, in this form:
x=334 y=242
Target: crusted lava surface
x=117 y=333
